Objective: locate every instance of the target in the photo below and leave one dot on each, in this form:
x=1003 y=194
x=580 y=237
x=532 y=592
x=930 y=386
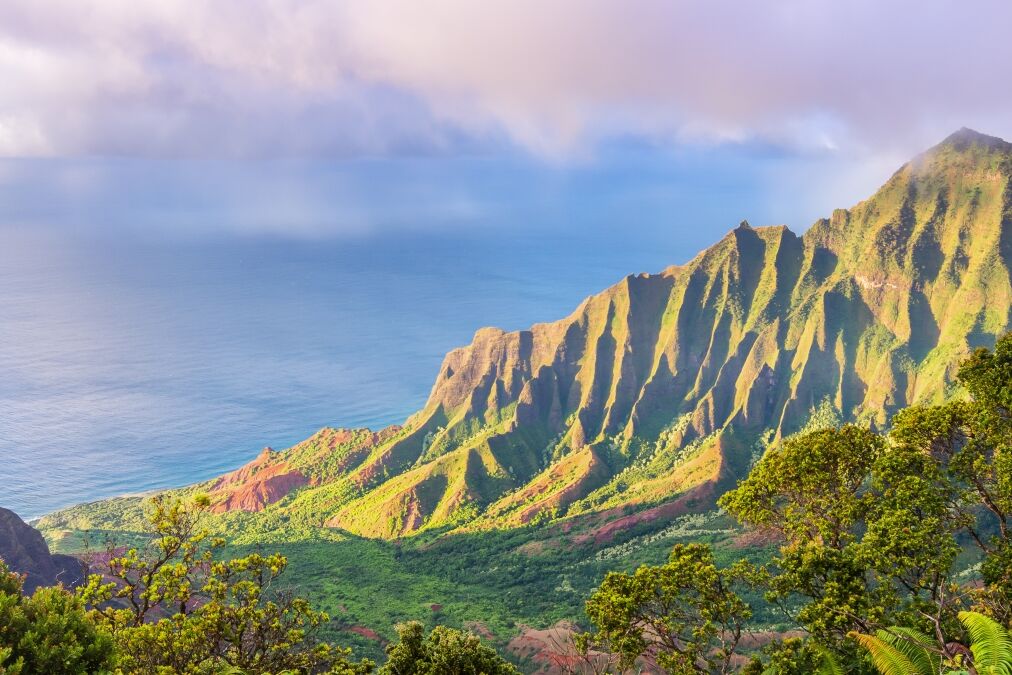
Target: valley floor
x=495 y=583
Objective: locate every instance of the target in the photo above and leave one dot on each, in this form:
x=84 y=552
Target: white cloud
x=307 y=77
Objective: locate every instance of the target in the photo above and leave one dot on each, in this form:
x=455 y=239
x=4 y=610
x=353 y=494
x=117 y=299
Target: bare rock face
x=24 y=551
x=263 y=481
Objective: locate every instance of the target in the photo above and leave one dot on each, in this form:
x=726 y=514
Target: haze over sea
x=161 y=321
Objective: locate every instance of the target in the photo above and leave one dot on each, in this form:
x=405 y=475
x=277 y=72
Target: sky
x=811 y=102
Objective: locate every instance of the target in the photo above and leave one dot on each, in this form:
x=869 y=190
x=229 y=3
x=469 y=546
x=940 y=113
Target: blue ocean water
x=131 y=367
x=160 y=323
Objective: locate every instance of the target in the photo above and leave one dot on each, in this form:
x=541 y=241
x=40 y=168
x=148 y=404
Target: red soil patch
x=98 y=560
x=552 y=651
x=602 y=526
x=701 y=495
x=756 y=539
x=480 y=629
x=368 y=633
x=268 y=478
x=263 y=481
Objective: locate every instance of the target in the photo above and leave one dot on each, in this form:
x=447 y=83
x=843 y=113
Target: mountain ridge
x=667 y=385
x=24 y=551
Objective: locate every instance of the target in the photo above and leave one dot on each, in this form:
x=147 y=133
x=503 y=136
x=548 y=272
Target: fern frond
x=913 y=644
x=828 y=663
x=990 y=643
x=887 y=659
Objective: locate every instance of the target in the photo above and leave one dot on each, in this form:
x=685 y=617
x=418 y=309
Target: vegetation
x=901 y=651
x=535 y=575
x=175 y=605
x=872 y=527
x=685 y=614
x=444 y=651
x=48 y=632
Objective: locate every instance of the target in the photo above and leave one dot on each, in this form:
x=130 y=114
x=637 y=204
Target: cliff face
x=252 y=487
x=868 y=310
x=24 y=551
x=651 y=387
x=665 y=386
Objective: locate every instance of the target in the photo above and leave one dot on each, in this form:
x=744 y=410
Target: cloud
x=557 y=77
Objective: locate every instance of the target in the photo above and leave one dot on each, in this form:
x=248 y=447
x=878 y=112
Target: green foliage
x=990 y=644
x=163 y=574
x=812 y=491
x=48 y=632
x=823 y=416
x=174 y=607
x=7 y=665
x=905 y=651
x=868 y=529
x=444 y=651
x=810 y=488
x=873 y=526
x=684 y=613
x=888 y=658
x=794 y=656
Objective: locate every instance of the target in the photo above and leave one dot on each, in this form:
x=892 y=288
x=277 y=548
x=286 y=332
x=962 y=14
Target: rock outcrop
x=24 y=551
x=263 y=481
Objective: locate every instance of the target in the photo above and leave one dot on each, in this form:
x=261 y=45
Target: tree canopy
x=48 y=632
x=444 y=651
x=878 y=532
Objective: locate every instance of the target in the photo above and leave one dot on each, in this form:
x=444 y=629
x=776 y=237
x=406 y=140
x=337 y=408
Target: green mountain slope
x=663 y=387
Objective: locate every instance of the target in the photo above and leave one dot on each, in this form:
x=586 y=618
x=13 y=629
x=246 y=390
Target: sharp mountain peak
x=966 y=137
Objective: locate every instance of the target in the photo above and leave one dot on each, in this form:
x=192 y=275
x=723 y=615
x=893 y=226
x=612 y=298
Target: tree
x=685 y=614
x=174 y=606
x=810 y=488
x=794 y=656
x=445 y=651
x=869 y=530
x=872 y=526
x=812 y=491
x=48 y=632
